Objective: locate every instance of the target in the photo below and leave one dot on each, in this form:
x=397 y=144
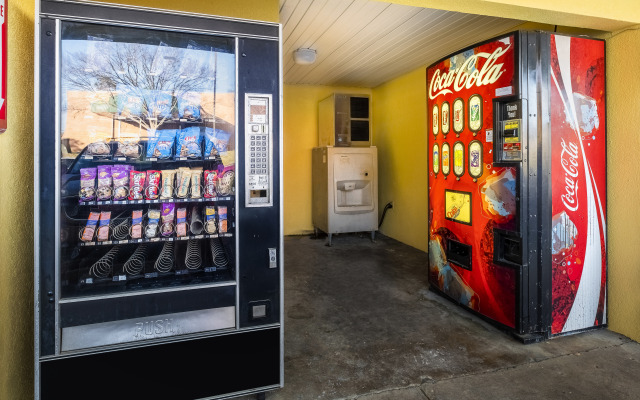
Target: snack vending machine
x=158 y=204
x=517 y=182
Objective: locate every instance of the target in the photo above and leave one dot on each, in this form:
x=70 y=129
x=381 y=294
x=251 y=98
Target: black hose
x=384 y=212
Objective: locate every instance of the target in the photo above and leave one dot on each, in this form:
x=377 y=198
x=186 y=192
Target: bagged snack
x=210 y=178
x=128 y=148
x=98 y=149
x=88 y=184
x=136 y=181
x=90 y=229
x=189 y=106
x=184 y=181
x=160 y=143
x=153 y=222
x=222 y=219
x=128 y=101
x=120 y=176
x=189 y=142
x=104 y=182
x=181 y=225
x=152 y=190
x=103 y=227
x=210 y=225
x=215 y=139
x=136 y=224
x=168 y=216
x=158 y=104
x=196 y=183
x=167 y=183
x=225 y=186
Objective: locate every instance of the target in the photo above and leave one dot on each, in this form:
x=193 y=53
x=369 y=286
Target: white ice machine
x=345 y=190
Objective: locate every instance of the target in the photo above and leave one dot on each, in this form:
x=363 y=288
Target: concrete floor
x=360 y=323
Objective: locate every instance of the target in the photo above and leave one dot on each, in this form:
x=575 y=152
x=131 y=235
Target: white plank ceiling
x=365 y=43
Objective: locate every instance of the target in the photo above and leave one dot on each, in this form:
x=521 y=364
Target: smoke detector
x=304 y=56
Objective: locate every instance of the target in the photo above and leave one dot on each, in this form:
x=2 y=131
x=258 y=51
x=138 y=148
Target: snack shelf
x=109 y=157
x=158 y=201
x=157 y=239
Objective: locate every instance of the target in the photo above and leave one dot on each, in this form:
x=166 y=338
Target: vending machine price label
x=151 y=275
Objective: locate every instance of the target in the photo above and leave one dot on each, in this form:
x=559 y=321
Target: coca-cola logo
x=461 y=78
x=569 y=160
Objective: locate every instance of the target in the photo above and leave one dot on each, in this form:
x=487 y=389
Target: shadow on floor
x=361 y=323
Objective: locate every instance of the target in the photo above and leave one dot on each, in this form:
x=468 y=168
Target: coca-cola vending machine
x=517 y=182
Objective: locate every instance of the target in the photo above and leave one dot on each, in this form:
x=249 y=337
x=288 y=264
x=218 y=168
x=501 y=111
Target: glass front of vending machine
x=158 y=204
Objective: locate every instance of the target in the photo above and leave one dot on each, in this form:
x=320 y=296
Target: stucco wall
x=16 y=211
x=623 y=182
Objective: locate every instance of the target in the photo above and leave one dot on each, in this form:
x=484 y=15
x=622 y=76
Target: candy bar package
x=103 y=227
x=210 y=178
x=88 y=184
x=196 y=183
x=222 y=219
x=210 y=225
x=90 y=229
x=100 y=149
x=153 y=222
x=168 y=176
x=168 y=216
x=189 y=106
x=136 y=181
x=181 y=225
x=105 y=182
x=183 y=181
x=136 y=224
x=128 y=148
x=215 y=139
x=120 y=176
x=152 y=191
x=189 y=142
x=160 y=143
x=225 y=186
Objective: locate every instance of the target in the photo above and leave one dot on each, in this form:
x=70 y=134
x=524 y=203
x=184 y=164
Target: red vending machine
x=517 y=182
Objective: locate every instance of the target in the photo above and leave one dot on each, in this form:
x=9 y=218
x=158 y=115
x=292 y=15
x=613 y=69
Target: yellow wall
x=300 y=136
x=623 y=181
x=16 y=178
x=400 y=134
x=16 y=211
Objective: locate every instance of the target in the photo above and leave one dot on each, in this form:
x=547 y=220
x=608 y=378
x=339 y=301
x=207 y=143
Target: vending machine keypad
x=258 y=150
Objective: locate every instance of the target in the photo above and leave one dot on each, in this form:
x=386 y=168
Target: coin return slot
x=255 y=194
x=259 y=309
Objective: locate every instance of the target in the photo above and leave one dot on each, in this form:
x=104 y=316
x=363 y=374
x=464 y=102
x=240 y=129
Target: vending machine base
x=231 y=364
